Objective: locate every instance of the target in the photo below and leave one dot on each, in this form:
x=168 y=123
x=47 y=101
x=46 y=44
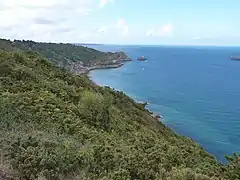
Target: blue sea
x=195 y=88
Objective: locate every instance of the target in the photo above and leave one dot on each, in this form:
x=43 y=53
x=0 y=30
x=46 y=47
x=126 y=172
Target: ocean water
x=196 y=89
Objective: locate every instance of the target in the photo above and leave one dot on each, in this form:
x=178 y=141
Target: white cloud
x=102 y=29
x=44 y=20
x=196 y=38
x=150 y=32
x=111 y=33
x=100 y=32
x=28 y=3
x=165 y=30
x=58 y=21
x=122 y=27
x=102 y=3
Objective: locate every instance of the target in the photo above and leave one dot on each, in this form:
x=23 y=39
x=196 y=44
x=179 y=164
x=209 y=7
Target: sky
x=151 y=22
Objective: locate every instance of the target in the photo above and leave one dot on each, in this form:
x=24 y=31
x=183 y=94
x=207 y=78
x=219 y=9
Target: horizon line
x=213 y=45
x=121 y=44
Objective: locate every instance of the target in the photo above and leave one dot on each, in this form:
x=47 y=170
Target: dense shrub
x=55 y=125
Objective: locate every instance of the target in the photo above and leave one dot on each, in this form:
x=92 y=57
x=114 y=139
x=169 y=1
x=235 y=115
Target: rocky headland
x=113 y=60
x=76 y=58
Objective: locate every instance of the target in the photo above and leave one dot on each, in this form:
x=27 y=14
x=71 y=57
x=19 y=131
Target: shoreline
x=105 y=66
x=159 y=116
x=116 y=63
x=78 y=69
x=81 y=70
x=113 y=64
x=156 y=115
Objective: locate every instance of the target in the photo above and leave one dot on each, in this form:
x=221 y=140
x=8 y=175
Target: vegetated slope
x=55 y=125
x=63 y=55
x=7 y=45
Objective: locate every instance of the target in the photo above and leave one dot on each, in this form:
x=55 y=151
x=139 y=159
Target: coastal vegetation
x=57 y=125
x=78 y=59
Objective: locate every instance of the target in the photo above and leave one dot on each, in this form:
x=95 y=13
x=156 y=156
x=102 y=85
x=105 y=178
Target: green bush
x=55 y=125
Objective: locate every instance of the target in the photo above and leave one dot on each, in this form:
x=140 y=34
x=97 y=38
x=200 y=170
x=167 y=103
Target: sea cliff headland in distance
x=78 y=59
x=57 y=125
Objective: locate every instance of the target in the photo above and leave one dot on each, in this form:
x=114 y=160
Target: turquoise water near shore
x=196 y=89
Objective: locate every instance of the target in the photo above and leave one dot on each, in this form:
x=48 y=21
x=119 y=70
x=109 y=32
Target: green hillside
x=55 y=125
x=63 y=55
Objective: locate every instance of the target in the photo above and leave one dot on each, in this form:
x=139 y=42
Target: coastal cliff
x=78 y=69
x=78 y=59
x=113 y=60
x=56 y=125
x=105 y=66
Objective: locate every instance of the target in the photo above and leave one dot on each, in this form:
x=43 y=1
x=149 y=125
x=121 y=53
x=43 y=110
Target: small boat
x=142 y=58
x=236 y=58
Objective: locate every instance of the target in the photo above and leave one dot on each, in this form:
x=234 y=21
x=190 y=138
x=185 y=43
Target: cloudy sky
x=122 y=21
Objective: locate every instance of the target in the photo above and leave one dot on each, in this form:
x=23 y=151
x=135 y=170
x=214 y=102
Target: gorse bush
x=55 y=125
x=96 y=109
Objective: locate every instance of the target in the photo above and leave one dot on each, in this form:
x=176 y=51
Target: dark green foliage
x=234 y=166
x=61 y=54
x=96 y=109
x=49 y=157
x=55 y=125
